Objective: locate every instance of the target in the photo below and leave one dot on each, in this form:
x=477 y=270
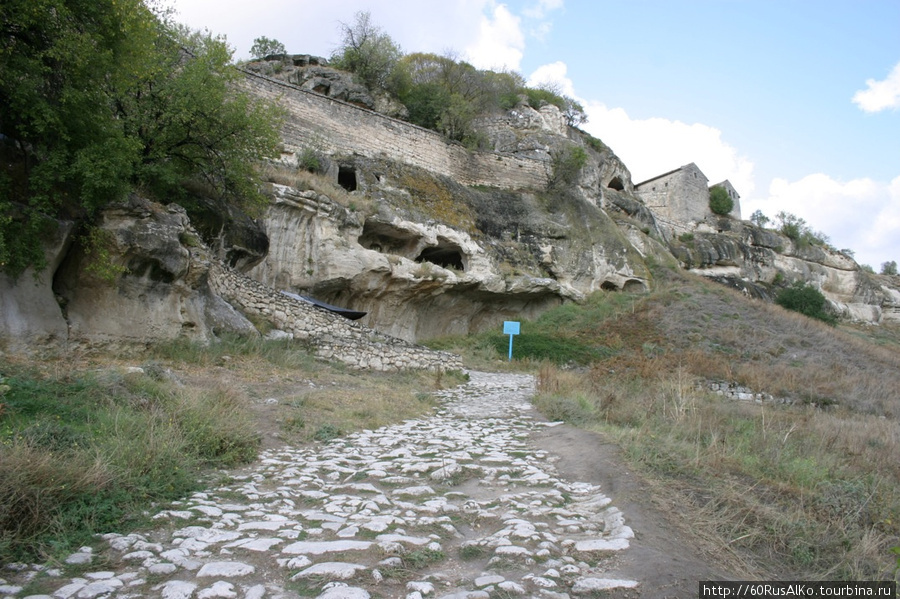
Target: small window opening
x=347 y=178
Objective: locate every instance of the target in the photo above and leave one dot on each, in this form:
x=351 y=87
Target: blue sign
x=511 y=328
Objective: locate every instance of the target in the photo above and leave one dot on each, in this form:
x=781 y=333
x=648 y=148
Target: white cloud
x=650 y=147
x=540 y=10
x=862 y=215
x=500 y=44
x=553 y=74
x=880 y=95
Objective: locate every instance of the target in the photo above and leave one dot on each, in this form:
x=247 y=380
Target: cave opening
x=609 y=286
x=445 y=255
x=347 y=178
x=616 y=183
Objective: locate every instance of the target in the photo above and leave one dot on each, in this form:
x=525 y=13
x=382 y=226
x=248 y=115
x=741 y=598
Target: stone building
x=680 y=198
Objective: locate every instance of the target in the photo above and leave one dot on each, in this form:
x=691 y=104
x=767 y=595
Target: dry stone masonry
x=331 y=336
x=459 y=504
x=330 y=125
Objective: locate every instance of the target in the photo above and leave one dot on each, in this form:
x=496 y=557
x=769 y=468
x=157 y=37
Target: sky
x=796 y=102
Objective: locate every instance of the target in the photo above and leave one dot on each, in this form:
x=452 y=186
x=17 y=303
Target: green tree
x=759 y=219
x=263 y=46
x=806 y=299
x=719 y=201
x=889 y=268
x=367 y=52
x=99 y=96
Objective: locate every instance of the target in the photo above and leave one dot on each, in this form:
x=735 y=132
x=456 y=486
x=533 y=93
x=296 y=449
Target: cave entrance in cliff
x=445 y=254
x=347 y=178
x=616 y=183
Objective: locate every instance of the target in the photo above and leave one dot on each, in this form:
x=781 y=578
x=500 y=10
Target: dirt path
x=483 y=498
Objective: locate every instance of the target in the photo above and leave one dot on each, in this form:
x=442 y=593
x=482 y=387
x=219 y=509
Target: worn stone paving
x=457 y=505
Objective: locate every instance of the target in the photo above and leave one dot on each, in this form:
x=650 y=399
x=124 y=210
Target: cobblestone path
x=455 y=505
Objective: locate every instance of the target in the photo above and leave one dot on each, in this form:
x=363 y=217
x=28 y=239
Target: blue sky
x=796 y=102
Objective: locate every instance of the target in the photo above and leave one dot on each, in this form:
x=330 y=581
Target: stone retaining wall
x=330 y=125
x=331 y=336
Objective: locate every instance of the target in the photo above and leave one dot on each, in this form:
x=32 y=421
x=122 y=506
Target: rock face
x=759 y=261
x=157 y=286
x=503 y=255
x=30 y=317
x=428 y=237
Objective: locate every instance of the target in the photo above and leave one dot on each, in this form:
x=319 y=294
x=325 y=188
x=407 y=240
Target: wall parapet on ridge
x=331 y=336
x=335 y=126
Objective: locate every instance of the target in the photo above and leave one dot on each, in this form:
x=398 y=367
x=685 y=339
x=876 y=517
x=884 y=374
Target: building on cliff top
x=680 y=198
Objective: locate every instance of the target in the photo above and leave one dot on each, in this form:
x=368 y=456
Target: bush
x=565 y=165
x=719 y=201
x=806 y=299
x=889 y=268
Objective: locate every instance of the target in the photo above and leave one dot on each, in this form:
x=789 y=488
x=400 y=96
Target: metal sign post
x=511 y=328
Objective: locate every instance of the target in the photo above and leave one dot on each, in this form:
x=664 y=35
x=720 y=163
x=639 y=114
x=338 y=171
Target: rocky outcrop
x=760 y=261
x=312 y=73
x=150 y=284
x=432 y=257
x=30 y=316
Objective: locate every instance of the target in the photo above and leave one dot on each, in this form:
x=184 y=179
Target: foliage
x=889 y=268
x=565 y=166
x=309 y=160
x=759 y=219
x=99 y=245
x=263 y=46
x=366 y=51
x=805 y=299
x=719 y=201
x=796 y=229
x=99 y=96
x=448 y=95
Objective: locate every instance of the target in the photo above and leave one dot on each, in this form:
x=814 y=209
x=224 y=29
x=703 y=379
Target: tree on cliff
x=263 y=46
x=367 y=52
x=98 y=97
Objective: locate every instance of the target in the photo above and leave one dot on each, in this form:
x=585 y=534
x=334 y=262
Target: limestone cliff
x=426 y=236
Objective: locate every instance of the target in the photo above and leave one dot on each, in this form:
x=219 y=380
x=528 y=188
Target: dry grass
x=807 y=490
x=87 y=447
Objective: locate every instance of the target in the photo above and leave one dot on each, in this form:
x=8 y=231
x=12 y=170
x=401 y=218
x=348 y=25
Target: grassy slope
x=806 y=489
x=87 y=446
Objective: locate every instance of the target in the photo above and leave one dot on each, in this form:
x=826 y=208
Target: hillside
x=774 y=435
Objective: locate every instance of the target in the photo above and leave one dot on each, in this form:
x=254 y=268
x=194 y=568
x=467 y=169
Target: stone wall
x=678 y=197
x=329 y=125
x=331 y=336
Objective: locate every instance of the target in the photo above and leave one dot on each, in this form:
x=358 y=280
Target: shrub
x=565 y=165
x=889 y=268
x=719 y=201
x=806 y=299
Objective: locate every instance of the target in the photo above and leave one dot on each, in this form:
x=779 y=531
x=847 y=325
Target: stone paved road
x=456 y=505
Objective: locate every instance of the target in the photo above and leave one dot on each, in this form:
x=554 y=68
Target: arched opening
x=608 y=286
x=616 y=183
x=347 y=178
x=445 y=254
x=387 y=239
x=634 y=286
